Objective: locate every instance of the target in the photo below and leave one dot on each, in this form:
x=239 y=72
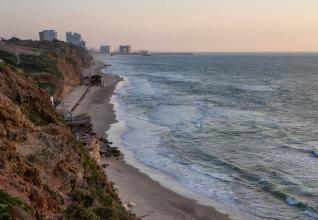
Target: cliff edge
x=55 y=66
x=45 y=173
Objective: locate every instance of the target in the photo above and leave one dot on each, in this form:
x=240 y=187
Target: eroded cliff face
x=71 y=62
x=45 y=173
x=55 y=66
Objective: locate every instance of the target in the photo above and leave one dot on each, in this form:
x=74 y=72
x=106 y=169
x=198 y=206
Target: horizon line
x=196 y=52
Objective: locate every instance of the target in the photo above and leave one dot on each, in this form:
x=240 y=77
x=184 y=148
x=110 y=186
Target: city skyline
x=179 y=25
x=76 y=39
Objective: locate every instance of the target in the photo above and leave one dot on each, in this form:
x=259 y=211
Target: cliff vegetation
x=55 y=66
x=45 y=173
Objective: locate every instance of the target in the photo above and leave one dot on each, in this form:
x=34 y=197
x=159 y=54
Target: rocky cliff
x=55 y=66
x=45 y=173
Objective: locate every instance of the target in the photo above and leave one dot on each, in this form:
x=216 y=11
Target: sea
x=239 y=128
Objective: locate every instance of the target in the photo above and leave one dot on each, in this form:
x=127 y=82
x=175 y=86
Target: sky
x=170 y=25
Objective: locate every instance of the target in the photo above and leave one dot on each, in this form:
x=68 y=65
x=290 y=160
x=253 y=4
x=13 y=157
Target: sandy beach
x=153 y=201
x=93 y=101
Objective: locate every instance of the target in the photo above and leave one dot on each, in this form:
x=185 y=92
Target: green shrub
x=38 y=64
x=55 y=194
x=84 y=199
x=13 y=40
x=57 y=102
x=7 y=203
x=31 y=115
x=104 y=213
x=75 y=212
x=48 y=87
x=104 y=198
x=9 y=58
x=3 y=67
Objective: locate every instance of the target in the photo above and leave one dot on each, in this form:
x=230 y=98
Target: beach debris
x=105 y=165
x=126 y=207
x=88 y=139
x=98 y=147
x=116 y=188
x=131 y=205
x=109 y=151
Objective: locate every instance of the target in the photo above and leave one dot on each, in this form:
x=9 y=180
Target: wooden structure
x=92 y=80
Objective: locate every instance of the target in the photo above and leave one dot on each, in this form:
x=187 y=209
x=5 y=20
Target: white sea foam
x=138 y=139
x=256 y=88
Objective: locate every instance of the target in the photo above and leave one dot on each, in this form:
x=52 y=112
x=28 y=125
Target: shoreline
x=153 y=200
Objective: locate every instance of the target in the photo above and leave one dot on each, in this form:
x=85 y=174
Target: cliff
x=55 y=66
x=45 y=173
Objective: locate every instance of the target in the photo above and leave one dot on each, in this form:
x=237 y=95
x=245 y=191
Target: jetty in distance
x=161 y=53
x=171 y=53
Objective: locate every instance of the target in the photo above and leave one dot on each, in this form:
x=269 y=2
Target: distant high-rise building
x=125 y=49
x=75 y=39
x=48 y=35
x=105 y=49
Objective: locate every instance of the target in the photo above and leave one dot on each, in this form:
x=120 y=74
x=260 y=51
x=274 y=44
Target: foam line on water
x=115 y=134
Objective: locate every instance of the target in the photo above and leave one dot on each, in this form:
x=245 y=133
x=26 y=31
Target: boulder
x=131 y=205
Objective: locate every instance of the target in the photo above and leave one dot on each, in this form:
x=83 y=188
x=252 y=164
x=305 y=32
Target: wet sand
x=154 y=202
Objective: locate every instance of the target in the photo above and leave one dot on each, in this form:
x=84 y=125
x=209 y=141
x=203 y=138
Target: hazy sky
x=170 y=25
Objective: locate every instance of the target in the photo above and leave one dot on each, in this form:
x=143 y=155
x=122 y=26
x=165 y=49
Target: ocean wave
x=309 y=150
x=267 y=186
x=255 y=88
